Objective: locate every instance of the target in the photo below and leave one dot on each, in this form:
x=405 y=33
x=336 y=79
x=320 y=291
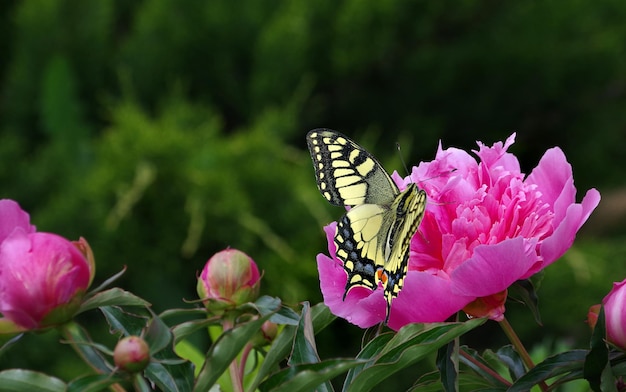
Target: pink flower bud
x=615 y=314
x=43 y=276
x=131 y=354
x=230 y=278
x=592 y=316
x=266 y=335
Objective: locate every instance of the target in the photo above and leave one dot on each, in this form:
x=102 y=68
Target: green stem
x=519 y=347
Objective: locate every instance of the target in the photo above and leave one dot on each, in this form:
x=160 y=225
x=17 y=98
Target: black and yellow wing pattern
x=373 y=238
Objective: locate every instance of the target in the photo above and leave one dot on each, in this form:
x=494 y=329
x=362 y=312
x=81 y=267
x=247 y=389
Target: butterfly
x=373 y=238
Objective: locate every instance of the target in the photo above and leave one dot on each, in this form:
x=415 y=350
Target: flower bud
x=266 y=335
x=592 y=315
x=131 y=354
x=44 y=278
x=230 y=278
x=614 y=314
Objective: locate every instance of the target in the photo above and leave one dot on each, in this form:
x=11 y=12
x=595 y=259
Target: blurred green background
x=163 y=131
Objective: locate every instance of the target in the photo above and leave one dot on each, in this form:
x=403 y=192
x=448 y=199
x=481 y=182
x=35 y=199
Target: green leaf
x=512 y=360
x=106 y=283
x=10 y=343
x=174 y=378
x=225 y=349
x=113 y=297
x=524 y=291
x=371 y=350
x=182 y=330
x=125 y=322
x=553 y=366
x=75 y=334
x=597 y=360
x=190 y=352
x=412 y=343
x=93 y=383
x=321 y=318
x=468 y=381
x=304 y=349
x=448 y=365
x=158 y=335
x=19 y=380
x=479 y=366
x=308 y=377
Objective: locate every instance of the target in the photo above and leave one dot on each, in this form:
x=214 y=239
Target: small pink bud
x=592 y=316
x=266 y=335
x=131 y=354
x=230 y=278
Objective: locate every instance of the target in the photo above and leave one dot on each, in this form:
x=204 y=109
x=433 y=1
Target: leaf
x=412 y=343
x=112 y=297
x=369 y=351
x=75 y=334
x=597 y=367
x=321 y=317
x=158 y=335
x=553 y=366
x=512 y=360
x=174 y=378
x=484 y=367
x=524 y=291
x=106 y=283
x=182 y=330
x=19 y=380
x=304 y=349
x=124 y=322
x=307 y=377
x=92 y=383
x=448 y=365
x=225 y=349
x=10 y=343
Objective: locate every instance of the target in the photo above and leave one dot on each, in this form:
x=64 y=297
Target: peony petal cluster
x=486 y=226
x=43 y=276
x=614 y=314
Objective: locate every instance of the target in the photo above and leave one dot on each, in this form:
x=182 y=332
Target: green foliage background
x=164 y=131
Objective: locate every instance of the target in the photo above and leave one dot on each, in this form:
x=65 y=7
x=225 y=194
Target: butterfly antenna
x=406 y=169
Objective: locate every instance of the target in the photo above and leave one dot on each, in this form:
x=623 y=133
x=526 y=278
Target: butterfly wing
x=407 y=212
x=359 y=240
x=346 y=173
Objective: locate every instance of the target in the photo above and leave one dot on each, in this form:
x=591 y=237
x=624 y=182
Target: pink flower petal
x=563 y=236
x=553 y=177
x=425 y=298
x=493 y=268
x=12 y=217
x=362 y=306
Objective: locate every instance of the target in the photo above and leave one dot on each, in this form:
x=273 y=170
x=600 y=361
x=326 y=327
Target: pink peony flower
x=228 y=279
x=486 y=226
x=614 y=314
x=42 y=276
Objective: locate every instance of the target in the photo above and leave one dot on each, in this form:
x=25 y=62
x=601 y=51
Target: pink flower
x=42 y=276
x=486 y=226
x=228 y=279
x=614 y=314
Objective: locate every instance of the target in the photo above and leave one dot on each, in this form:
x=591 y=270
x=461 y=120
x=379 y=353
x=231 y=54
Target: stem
x=244 y=359
x=484 y=368
x=236 y=374
x=519 y=347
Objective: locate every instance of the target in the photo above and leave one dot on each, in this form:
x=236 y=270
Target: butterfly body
x=373 y=237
